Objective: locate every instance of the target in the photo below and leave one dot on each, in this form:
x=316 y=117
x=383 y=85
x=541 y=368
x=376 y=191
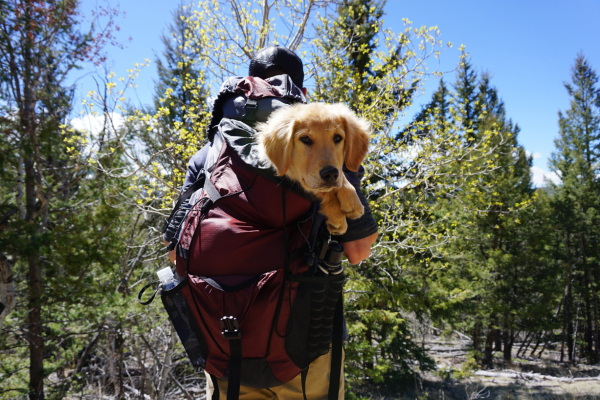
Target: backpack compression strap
x=231 y=332
x=336 y=350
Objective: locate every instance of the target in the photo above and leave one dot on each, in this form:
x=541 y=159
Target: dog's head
x=309 y=143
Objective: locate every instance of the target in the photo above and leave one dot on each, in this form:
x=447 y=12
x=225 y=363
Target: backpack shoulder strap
x=188 y=192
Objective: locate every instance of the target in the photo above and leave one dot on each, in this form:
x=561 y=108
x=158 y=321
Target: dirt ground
x=531 y=379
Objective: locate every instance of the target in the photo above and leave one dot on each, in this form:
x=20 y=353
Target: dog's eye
x=306 y=140
x=337 y=138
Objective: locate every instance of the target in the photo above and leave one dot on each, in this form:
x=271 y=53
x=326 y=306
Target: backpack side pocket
x=185 y=325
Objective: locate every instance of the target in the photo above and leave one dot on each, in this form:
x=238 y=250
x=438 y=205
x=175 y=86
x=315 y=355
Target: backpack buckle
x=230 y=326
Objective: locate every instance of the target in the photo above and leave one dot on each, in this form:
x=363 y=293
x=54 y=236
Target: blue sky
x=528 y=47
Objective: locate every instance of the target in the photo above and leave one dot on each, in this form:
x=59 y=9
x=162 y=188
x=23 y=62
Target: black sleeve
x=365 y=225
x=195 y=164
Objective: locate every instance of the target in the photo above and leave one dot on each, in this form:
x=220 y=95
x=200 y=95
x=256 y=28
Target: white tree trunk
x=8 y=296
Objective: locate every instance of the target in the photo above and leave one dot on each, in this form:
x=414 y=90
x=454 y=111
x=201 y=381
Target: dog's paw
x=337 y=226
x=357 y=212
x=351 y=206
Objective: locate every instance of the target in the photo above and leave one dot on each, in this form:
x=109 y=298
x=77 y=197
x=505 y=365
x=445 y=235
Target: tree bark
x=166 y=365
x=119 y=348
x=8 y=296
x=596 y=329
x=537 y=343
x=35 y=338
x=589 y=323
x=35 y=287
x=524 y=343
x=369 y=339
x=497 y=337
x=488 y=354
x=508 y=340
x=568 y=309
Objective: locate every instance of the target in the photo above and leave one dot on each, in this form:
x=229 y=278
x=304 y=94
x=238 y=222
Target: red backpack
x=260 y=290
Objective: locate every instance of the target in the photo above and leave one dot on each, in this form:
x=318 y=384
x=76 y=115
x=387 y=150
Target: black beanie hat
x=280 y=57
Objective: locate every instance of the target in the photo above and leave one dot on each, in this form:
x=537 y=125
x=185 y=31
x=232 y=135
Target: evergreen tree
x=498 y=252
x=180 y=78
x=577 y=204
x=381 y=345
x=466 y=90
x=58 y=224
x=358 y=20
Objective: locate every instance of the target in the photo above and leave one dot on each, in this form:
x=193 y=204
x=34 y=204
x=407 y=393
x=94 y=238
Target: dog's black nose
x=329 y=174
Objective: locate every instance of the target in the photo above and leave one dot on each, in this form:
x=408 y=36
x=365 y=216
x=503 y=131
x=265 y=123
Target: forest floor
x=528 y=379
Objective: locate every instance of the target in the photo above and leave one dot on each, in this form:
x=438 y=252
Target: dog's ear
x=358 y=132
x=276 y=137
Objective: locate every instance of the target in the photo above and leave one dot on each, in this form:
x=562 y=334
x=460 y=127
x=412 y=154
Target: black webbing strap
x=235 y=369
x=186 y=195
x=250 y=109
x=145 y=303
x=336 y=350
x=303 y=375
x=216 y=394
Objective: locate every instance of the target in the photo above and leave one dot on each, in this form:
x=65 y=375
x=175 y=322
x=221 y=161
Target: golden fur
x=304 y=139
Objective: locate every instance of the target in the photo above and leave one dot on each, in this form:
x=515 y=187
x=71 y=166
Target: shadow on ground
x=476 y=388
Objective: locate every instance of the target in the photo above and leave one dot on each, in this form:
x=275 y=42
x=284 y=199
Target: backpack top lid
x=277 y=56
x=271 y=93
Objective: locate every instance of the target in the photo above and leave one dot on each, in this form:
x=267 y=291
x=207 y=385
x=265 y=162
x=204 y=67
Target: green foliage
x=499 y=251
x=468 y=366
x=465 y=241
x=576 y=206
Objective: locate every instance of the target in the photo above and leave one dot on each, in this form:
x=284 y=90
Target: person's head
x=277 y=60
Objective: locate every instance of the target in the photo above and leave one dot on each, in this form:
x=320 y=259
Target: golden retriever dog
x=309 y=143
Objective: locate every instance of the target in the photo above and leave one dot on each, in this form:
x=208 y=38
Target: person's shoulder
x=199 y=158
x=230 y=83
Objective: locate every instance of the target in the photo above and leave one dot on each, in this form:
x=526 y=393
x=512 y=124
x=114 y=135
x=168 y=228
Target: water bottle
x=166 y=277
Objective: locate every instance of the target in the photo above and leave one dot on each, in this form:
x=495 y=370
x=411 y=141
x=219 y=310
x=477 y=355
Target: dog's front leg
x=349 y=202
x=330 y=208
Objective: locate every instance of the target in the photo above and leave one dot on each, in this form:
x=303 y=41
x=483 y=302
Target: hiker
x=273 y=63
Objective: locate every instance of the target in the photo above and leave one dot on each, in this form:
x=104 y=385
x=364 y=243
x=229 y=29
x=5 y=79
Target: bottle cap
x=335 y=252
x=165 y=275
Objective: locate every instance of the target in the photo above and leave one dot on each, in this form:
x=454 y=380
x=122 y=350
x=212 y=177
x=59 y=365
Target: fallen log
x=136 y=392
x=531 y=376
x=443 y=349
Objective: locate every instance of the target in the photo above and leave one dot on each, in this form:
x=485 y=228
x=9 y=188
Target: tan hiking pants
x=317 y=385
